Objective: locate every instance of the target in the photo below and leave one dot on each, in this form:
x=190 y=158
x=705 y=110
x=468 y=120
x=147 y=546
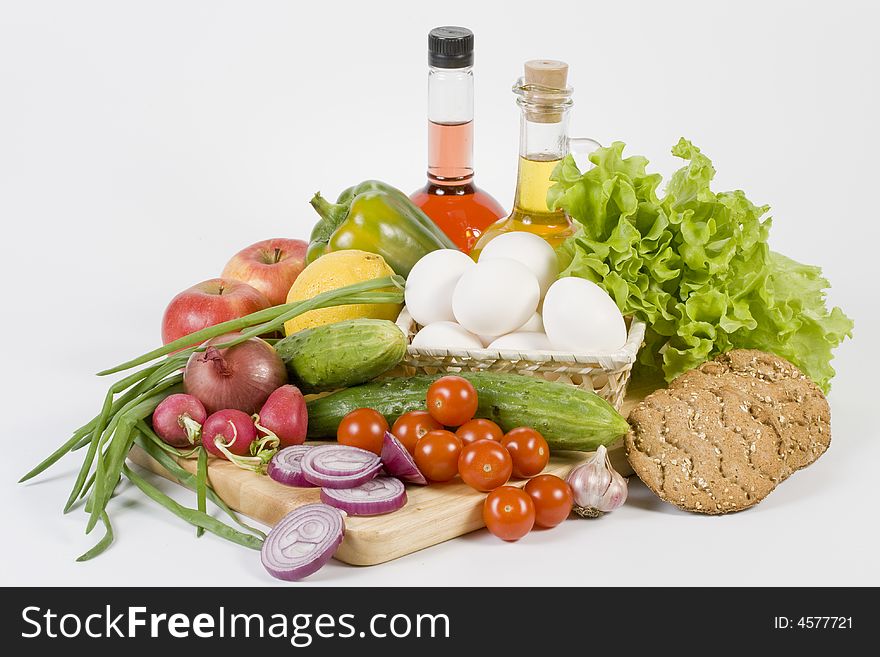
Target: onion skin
x=285 y=415
x=225 y=425
x=241 y=377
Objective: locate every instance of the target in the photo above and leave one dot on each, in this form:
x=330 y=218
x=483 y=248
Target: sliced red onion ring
x=285 y=466
x=380 y=495
x=399 y=462
x=341 y=460
x=302 y=542
x=339 y=466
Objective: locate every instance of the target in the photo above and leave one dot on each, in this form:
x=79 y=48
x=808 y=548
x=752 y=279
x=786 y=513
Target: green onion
x=192 y=516
x=274 y=318
x=185 y=477
x=201 y=484
x=101 y=545
x=113 y=458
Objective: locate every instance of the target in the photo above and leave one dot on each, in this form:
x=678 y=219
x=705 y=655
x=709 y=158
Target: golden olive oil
x=530 y=211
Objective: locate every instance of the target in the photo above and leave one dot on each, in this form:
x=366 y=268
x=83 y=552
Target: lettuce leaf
x=693 y=264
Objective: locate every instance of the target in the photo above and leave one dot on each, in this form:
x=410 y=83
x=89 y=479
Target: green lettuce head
x=694 y=265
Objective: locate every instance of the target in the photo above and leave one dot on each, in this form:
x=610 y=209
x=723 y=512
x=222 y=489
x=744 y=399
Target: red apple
x=271 y=266
x=209 y=303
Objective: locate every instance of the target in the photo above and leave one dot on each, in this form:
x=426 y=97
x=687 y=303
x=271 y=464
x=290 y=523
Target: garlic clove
x=596 y=486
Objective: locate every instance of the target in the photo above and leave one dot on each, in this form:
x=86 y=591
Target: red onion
x=178 y=420
x=285 y=467
x=380 y=495
x=240 y=377
x=302 y=542
x=231 y=434
x=339 y=466
x=399 y=462
x=284 y=414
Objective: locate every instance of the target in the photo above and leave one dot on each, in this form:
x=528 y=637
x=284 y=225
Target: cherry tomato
x=479 y=429
x=485 y=465
x=364 y=428
x=437 y=454
x=509 y=513
x=411 y=426
x=452 y=400
x=528 y=449
x=552 y=498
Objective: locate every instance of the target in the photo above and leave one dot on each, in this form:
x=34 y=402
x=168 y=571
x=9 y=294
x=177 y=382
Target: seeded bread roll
x=721 y=437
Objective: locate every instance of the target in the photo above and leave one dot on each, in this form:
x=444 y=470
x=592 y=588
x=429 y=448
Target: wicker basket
x=605 y=374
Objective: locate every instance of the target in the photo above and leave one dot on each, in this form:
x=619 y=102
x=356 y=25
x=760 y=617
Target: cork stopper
x=547 y=73
x=553 y=75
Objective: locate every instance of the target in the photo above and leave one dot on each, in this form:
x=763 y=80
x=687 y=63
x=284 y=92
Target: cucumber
x=341 y=354
x=568 y=417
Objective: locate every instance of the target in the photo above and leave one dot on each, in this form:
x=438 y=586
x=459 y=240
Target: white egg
x=534 y=325
x=527 y=249
x=522 y=341
x=445 y=335
x=495 y=297
x=431 y=282
x=580 y=317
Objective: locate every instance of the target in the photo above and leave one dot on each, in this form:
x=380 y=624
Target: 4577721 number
x=813 y=623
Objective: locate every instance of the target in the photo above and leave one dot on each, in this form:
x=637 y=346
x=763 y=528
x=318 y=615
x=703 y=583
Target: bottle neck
x=543 y=142
x=450 y=126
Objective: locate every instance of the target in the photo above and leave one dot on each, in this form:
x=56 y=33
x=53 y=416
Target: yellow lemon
x=330 y=272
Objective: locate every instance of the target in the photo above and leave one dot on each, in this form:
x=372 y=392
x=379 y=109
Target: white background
x=142 y=144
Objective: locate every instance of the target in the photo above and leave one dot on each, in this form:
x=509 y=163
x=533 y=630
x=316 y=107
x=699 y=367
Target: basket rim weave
x=622 y=358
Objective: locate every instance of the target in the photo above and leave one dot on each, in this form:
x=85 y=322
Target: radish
x=178 y=420
x=284 y=414
x=231 y=434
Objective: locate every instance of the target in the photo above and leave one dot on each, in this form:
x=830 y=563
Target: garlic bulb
x=597 y=487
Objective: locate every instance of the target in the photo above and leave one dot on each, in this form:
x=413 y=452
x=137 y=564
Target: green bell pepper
x=377 y=218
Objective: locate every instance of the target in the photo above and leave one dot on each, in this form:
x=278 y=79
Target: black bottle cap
x=450 y=47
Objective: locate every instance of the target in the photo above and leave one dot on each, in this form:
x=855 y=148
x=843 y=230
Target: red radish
x=178 y=420
x=377 y=496
x=302 y=542
x=230 y=428
x=231 y=434
x=284 y=414
x=240 y=377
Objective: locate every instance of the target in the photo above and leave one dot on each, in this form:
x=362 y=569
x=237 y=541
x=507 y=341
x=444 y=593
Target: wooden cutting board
x=432 y=514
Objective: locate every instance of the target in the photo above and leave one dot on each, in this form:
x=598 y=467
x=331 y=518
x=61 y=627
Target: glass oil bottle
x=545 y=101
